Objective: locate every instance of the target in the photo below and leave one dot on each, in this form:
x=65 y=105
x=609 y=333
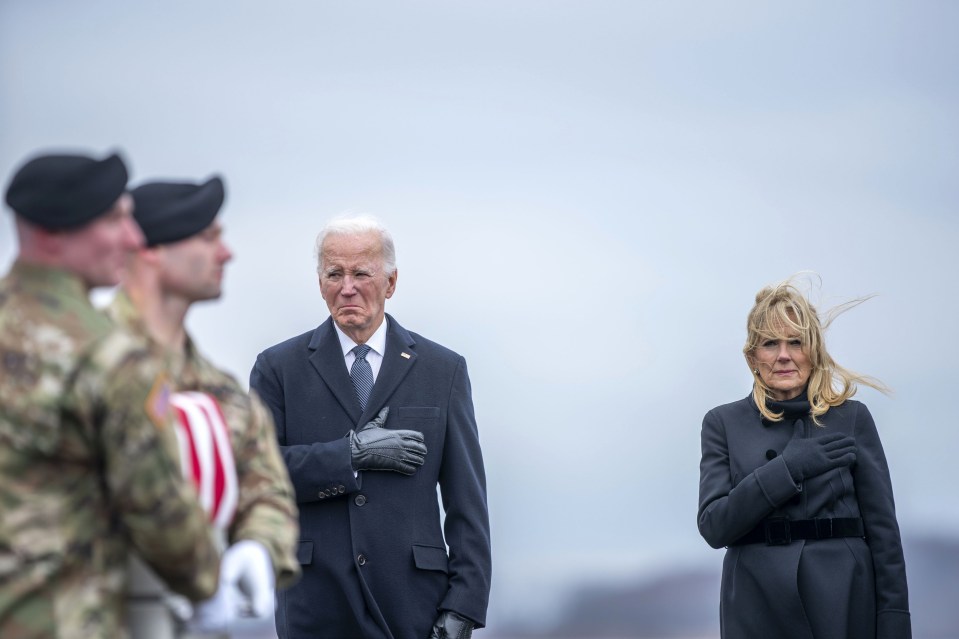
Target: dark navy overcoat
x=845 y=588
x=376 y=562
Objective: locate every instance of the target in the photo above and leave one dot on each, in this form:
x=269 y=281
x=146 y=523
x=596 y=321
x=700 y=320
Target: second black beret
x=172 y=211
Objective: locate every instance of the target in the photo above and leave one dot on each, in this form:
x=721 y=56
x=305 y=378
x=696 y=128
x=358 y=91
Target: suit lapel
x=397 y=362
x=327 y=358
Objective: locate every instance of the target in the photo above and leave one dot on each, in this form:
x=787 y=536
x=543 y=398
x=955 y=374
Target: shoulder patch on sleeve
x=157 y=405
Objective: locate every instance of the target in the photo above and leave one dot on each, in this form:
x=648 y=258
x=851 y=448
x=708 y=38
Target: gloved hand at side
x=450 y=625
x=376 y=448
x=807 y=458
x=247 y=586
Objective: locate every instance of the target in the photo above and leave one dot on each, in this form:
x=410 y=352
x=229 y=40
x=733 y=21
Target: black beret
x=172 y=211
x=66 y=191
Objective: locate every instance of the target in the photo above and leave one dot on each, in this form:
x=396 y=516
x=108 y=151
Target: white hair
x=357 y=225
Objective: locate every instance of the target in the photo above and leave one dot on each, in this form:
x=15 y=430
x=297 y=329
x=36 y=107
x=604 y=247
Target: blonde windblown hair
x=782 y=308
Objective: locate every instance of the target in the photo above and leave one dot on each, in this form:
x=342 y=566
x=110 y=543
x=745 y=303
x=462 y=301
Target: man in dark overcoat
x=371 y=418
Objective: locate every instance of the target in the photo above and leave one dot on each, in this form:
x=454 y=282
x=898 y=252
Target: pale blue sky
x=585 y=197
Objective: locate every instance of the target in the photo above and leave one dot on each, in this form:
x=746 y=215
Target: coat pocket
x=430 y=558
x=304 y=553
x=422 y=418
x=424 y=413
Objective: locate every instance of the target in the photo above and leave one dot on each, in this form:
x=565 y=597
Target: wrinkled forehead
x=352 y=251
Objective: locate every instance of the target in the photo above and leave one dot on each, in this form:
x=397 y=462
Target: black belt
x=780 y=531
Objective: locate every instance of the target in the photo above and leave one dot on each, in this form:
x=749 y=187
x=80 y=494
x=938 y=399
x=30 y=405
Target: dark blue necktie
x=362 y=374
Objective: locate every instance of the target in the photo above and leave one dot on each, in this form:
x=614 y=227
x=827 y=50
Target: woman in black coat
x=793 y=480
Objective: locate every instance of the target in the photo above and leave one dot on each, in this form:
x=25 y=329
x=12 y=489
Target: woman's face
x=783 y=365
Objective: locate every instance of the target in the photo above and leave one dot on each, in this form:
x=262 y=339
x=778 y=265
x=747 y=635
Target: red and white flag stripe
x=206 y=456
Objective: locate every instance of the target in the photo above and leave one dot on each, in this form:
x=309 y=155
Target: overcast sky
x=585 y=198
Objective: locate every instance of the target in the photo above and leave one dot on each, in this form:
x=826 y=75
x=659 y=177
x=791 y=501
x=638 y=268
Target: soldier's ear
x=50 y=242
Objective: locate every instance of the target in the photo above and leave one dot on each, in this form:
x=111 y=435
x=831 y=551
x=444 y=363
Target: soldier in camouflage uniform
x=84 y=477
x=182 y=263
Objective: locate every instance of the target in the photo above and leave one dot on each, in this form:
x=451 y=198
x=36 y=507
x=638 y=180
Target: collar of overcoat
x=326 y=356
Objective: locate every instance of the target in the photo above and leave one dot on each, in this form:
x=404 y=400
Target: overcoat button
x=770 y=454
x=359 y=500
x=341 y=489
x=361 y=560
x=321 y=495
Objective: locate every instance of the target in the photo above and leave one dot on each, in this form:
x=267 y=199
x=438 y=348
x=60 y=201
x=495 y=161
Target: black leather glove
x=450 y=625
x=376 y=448
x=807 y=458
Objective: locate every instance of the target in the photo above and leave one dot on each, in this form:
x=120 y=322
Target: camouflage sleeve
x=266 y=511
x=154 y=504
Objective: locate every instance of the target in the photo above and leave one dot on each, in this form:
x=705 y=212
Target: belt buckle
x=777 y=531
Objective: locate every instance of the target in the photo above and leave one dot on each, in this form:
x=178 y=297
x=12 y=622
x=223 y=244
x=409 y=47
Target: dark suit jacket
x=848 y=588
x=373 y=552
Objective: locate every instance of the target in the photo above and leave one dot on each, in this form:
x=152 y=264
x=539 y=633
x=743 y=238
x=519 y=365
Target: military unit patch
x=157 y=405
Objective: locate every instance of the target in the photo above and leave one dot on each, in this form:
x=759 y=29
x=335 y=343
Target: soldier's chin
x=212 y=294
x=104 y=281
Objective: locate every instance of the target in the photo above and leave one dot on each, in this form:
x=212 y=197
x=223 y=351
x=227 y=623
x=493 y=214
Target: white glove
x=246 y=589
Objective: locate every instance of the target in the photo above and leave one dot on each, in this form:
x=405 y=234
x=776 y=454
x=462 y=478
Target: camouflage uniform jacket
x=84 y=477
x=266 y=509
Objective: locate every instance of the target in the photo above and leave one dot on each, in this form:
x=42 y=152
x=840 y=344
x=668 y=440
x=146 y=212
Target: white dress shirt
x=377 y=344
